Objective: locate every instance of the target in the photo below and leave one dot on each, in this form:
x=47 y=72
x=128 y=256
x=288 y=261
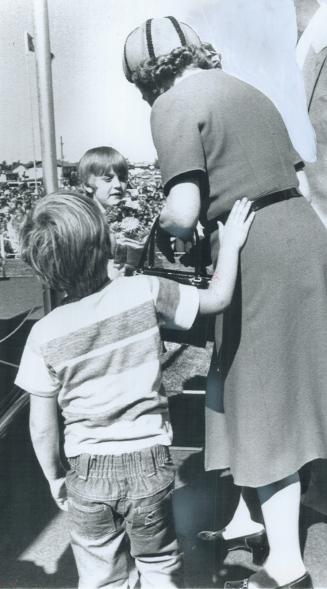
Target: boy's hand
x=59 y=492
x=235 y=231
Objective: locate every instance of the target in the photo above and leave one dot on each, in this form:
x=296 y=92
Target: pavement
x=34 y=539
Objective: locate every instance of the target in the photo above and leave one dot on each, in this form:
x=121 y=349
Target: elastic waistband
x=258 y=204
x=118 y=465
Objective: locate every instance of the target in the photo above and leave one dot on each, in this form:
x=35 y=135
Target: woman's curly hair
x=157 y=75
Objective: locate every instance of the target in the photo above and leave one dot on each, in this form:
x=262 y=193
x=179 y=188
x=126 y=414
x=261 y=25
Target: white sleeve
x=34 y=376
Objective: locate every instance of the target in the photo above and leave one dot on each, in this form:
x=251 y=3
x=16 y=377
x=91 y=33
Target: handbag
x=202 y=329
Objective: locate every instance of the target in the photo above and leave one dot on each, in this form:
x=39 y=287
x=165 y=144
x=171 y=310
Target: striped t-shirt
x=101 y=357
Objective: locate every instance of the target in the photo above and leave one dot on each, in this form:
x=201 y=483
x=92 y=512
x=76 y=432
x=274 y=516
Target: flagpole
x=46 y=111
x=28 y=72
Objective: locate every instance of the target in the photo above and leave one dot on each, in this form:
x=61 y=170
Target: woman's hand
x=235 y=231
x=163 y=242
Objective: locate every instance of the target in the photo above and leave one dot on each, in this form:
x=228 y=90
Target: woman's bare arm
x=182 y=209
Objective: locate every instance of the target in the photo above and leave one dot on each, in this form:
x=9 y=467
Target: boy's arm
x=232 y=237
x=44 y=430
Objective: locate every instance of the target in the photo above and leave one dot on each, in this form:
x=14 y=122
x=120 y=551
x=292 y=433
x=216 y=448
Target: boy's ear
x=88 y=189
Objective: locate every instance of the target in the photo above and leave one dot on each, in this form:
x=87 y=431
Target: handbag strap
x=149 y=247
x=148 y=254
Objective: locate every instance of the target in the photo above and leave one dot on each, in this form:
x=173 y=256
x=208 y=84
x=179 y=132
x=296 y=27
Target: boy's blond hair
x=100 y=161
x=65 y=239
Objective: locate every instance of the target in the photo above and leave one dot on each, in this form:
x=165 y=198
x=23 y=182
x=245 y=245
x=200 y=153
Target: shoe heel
x=259 y=553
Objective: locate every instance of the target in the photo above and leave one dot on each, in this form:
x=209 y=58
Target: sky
x=95 y=105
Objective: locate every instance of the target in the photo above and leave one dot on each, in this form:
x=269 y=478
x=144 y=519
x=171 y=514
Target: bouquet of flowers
x=130 y=222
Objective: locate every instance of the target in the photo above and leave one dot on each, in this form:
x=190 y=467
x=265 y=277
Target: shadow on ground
x=27 y=512
x=34 y=550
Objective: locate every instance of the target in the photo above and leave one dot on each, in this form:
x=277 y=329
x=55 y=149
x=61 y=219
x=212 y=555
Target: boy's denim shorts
x=120 y=506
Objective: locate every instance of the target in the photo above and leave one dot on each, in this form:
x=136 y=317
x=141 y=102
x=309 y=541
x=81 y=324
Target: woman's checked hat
x=155 y=37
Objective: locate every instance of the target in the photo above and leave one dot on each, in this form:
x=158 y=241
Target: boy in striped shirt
x=98 y=357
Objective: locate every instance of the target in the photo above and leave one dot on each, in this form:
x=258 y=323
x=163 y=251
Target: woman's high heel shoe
x=256 y=543
x=304 y=582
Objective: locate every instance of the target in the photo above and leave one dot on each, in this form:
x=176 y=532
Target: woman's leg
x=280 y=504
x=241 y=523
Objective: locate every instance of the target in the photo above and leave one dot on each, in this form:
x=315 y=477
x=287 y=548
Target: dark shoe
x=304 y=582
x=256 y=543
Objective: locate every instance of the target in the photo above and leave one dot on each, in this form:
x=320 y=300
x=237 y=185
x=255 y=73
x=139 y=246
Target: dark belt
x=260 y=203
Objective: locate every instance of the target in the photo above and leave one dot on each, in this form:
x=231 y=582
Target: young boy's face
x=108 y=189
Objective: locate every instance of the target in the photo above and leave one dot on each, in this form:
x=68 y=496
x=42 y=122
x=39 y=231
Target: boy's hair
x=65 y=239
x=99 y=161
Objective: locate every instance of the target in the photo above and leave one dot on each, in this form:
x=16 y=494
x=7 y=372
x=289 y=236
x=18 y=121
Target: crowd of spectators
x=144 y=201
x=15 y=202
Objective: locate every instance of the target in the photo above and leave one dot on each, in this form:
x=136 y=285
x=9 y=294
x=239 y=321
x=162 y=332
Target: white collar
x=190 y=71
x=316 y=30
